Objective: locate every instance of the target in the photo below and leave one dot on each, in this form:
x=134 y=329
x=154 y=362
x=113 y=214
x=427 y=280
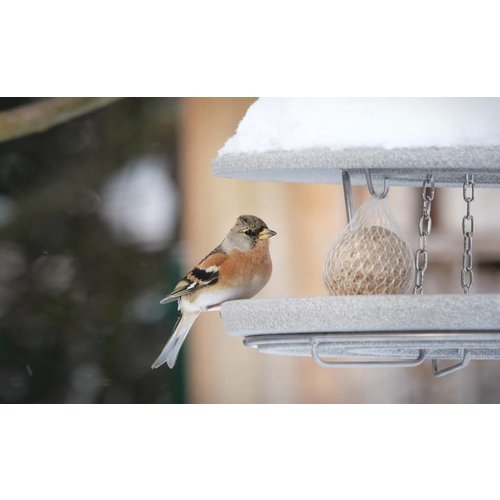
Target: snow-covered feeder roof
x=402 y=139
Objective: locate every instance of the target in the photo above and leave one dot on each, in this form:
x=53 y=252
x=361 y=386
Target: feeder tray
x=370 y=330
x=378 y=330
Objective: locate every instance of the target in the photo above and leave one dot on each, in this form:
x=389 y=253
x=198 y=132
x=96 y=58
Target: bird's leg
x=214 y=308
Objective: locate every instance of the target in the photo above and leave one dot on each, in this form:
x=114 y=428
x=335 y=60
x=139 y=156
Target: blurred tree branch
x=47 y=113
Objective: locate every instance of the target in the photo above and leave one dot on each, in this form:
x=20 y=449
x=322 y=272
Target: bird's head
x=247 y=231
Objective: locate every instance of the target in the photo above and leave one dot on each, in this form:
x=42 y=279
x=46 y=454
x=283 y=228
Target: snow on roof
x=272 y=124
x=313 y=139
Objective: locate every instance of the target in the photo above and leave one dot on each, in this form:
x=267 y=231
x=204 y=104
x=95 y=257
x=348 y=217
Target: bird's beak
x=266 y=233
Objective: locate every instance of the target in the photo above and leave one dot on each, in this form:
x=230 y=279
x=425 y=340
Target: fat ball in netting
x=371 y=256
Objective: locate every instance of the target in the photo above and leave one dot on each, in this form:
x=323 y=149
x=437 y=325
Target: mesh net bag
x=371 y=256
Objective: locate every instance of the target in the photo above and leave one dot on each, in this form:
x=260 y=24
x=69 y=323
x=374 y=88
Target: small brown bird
x=237 y=269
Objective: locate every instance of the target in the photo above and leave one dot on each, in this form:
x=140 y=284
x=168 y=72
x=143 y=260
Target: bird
x=238 y=268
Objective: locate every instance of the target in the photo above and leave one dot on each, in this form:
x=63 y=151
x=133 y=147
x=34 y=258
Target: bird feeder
x=378 y=142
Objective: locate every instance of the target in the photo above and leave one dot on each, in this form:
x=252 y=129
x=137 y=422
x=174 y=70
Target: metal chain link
x=424 y=229
x=467 y=275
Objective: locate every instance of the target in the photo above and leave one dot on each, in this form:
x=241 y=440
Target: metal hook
x=369 y=184
x=453 y=368
x=346 y=184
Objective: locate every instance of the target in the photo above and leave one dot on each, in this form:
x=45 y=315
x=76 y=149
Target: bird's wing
x=206 y=273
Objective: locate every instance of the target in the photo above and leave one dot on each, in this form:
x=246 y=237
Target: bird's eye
x=249 y=232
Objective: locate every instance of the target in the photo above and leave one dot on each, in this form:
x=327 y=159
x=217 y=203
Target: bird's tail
x=174 y=344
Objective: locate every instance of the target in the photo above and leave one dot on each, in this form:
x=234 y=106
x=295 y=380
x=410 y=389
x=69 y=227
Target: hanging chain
x=424 y=229
x=468 y=231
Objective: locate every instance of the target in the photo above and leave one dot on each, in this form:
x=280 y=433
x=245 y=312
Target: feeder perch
x=378 y=142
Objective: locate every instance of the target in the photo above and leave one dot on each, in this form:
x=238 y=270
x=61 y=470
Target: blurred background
x=101 y=215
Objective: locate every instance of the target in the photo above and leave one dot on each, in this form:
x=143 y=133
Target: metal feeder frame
x=375 y=342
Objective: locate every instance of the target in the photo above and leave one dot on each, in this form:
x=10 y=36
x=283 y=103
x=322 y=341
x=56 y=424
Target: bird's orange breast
x=247 y=265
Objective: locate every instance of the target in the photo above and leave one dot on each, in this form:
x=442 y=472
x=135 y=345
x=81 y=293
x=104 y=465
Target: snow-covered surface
x=274 y=124
x=400 y=139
